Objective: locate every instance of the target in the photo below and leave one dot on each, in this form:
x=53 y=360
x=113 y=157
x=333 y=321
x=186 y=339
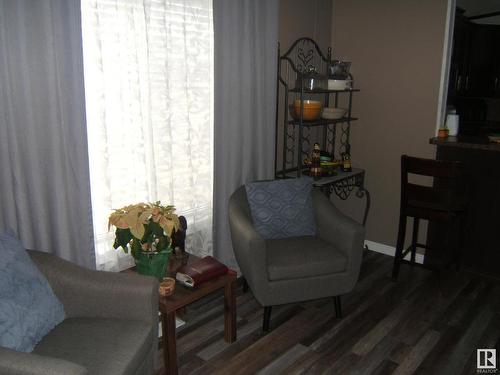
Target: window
x=149 y=98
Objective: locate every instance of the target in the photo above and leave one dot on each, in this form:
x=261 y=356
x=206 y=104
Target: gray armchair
x=111 y=324
x=296 y=269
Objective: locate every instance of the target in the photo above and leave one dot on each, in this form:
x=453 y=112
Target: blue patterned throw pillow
x=29 y=308
x=282 y=208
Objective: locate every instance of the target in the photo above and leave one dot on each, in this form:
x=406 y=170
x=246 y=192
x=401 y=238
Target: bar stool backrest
x=446 y=191
x=430 y=167
x=444 y=202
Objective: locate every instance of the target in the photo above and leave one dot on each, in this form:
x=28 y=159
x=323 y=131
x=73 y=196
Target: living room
x=107 y=104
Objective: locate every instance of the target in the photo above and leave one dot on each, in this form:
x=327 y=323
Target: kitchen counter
x=467 y=142
x=481 y=252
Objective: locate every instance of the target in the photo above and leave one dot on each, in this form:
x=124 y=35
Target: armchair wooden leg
x=338 y=307
x=267 y=318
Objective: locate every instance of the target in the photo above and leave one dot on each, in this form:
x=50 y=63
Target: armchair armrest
x=18 y=363
x=338 y=229
x=89 y=293
x=249 y=247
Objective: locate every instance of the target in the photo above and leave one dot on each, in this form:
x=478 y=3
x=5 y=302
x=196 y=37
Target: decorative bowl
x=333 y=113
x=167 y=286
x=312 y=110
x=339 y=84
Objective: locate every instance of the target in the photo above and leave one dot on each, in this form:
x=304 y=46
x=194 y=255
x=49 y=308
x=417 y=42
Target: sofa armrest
x=249 y=247
x=338 y=229
x=89 y=293
x=18 y=363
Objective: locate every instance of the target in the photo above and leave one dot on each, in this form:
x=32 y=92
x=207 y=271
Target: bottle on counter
x=346 y=159
x=452 y=121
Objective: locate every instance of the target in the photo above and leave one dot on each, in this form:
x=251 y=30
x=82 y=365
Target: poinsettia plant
x=144 y=227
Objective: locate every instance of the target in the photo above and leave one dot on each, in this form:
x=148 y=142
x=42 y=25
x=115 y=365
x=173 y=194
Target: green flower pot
x=153 y=265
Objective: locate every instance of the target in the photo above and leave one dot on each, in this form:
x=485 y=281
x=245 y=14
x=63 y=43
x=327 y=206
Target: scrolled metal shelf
x=343 y=188
x=322 y=91
x=322 y=121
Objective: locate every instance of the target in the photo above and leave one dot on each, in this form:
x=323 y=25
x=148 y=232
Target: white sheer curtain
x=149 y=96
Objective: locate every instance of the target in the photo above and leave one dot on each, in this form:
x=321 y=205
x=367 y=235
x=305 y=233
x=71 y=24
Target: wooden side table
x=184 y=296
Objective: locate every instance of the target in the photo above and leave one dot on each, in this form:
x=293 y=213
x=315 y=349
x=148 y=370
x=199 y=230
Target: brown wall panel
x=396 y=49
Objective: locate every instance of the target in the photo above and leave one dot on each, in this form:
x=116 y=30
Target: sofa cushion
x=25 y=293
x=282 y=208
x=103 y=346
x=305 y=256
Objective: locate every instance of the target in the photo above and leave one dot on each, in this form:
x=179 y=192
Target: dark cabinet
x=475 y=61
x=496 y=63
x=459 y=66
x=484 y=61
x=479 y=245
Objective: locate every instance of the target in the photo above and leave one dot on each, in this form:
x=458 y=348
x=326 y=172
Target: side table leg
x=229 y=312
x=169 y=343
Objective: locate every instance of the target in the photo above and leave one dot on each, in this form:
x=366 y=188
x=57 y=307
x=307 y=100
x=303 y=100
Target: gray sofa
x=111 y=324
x=298 y=268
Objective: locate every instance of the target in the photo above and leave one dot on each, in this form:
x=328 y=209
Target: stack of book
x=200 y=271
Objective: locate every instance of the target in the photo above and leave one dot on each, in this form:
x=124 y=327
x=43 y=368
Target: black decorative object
x=179 y=240
x=346 y=159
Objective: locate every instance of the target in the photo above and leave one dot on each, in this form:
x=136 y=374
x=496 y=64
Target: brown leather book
x=202 y=270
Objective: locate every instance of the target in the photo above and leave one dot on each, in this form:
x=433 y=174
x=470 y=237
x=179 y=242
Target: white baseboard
x=389 y=250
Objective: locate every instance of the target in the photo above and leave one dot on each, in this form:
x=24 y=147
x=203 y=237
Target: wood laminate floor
x=425 y=323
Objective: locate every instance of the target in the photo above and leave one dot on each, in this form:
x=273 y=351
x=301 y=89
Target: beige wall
x=299 y=18
x=396 y=49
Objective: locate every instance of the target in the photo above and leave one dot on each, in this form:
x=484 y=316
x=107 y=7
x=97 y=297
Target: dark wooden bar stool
x=444 y=202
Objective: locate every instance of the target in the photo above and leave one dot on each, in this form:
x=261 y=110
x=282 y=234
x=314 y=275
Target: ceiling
x=477 y=7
